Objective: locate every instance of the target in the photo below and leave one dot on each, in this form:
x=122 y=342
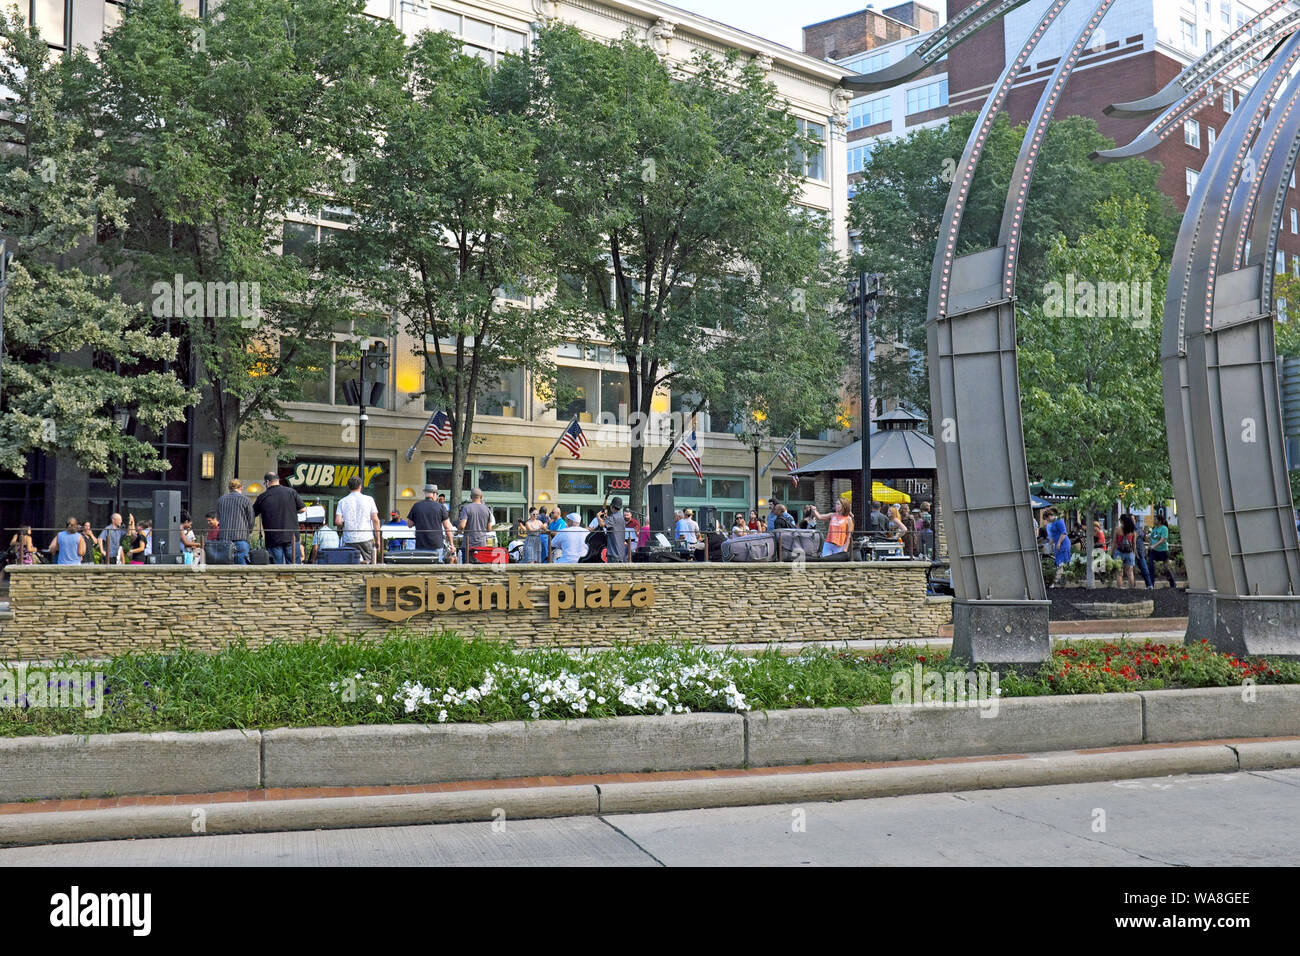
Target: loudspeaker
x=709 y=519
x=167 y=523
x=661 y=508
x=165 y=559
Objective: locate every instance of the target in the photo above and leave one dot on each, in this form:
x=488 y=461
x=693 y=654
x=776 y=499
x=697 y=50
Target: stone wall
x=100 y=611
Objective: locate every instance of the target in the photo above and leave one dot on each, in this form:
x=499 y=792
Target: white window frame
x=1190 y=176
x=1192 y=133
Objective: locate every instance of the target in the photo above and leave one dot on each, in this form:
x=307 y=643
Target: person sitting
x=570 y=544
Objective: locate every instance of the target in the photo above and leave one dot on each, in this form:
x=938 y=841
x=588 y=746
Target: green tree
x=899 y=204
x=449 y=232
x=75 y=353
x=1089 y=358
x=218 y=127
x=680 y=241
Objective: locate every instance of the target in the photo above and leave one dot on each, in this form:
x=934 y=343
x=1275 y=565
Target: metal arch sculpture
x=1000 y=613
x=1221 y=400
x=1200 y=71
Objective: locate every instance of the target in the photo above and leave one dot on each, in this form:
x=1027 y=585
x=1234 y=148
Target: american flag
x=574 y=439
x=690 y=450
x=439 y=427
x=790 y=458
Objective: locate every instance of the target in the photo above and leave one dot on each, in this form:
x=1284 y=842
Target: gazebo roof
x=892 y=449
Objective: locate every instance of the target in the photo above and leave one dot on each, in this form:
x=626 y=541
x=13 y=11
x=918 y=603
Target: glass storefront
x=728 y=493
x=323 y=481
x=585 y=491
x=505 y=489
x=801 y=494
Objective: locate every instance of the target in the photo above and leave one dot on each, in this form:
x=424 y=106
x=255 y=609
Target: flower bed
x=407 y=679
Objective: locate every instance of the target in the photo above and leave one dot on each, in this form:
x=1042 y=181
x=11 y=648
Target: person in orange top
x=841 y=526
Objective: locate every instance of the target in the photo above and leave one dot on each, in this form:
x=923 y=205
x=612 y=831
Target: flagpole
x=784 y=446
x=410 y=452
x=547 y=457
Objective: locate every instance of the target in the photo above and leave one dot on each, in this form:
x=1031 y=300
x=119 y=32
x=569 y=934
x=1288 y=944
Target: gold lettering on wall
x=401 y=598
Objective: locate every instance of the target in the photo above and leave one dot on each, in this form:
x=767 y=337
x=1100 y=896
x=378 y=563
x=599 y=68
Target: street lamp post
x=370 y=391
x=5 y=258
x=865 y=290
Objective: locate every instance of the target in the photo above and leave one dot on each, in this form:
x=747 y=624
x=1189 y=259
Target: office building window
x=869 y=112
x=859 y=155
x=1225 y=11
x=1209 y=40
x=1227 y=101
x=1192 y=175
x=1209 y=137
x=1189 y=34
x=1295 y=225
x=811 y=164
x=1192 y=133
x=482 y=39
x=928 y=97
x=869 y=63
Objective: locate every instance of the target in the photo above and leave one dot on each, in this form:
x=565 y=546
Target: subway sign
x=317 y=474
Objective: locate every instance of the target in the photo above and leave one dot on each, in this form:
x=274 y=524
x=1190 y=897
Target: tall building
x=515 y=426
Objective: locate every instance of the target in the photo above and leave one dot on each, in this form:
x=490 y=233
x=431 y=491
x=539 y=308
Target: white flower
x=379 y=699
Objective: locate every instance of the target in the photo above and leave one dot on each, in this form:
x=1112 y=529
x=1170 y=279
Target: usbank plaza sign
x=401 y=598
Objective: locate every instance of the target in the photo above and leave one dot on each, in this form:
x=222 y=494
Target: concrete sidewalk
x=281 y=809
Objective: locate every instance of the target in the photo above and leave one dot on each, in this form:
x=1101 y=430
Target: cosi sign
x=400 y=598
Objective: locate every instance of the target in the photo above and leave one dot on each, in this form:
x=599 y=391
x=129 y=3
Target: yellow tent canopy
x=884 y=494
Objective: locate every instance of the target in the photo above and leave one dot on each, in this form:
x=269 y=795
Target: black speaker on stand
x=709 y=519
x=661 y=509
x=166 y=523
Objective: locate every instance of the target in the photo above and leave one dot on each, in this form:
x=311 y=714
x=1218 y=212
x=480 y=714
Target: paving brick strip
x=291 y=778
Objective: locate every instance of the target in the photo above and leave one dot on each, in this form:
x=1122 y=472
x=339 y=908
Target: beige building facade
x=514 y=429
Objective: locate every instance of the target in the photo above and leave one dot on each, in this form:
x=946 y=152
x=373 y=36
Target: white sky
x=781 y=20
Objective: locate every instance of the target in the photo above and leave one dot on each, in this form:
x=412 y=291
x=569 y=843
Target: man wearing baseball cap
x=432 y=523
x=570 y=542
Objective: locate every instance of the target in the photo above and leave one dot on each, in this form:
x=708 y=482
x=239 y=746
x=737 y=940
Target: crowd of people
x=1138 y=549
x=293 y=533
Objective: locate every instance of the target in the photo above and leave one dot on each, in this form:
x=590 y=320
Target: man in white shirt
x=570 y=542
x=358 y=517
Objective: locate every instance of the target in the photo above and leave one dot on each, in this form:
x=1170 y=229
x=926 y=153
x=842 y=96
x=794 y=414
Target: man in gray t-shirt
x=476 y=521
x=615 y=533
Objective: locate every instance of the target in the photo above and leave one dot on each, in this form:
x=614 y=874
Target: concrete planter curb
x=1211 y=713
x=129 y=764
x=440 y=753
x=125 y=764
x=886 y=732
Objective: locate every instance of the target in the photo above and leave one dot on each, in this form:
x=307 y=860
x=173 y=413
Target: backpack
x=1125 y=543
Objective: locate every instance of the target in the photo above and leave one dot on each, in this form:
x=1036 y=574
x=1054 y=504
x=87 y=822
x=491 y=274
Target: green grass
x=341 y=682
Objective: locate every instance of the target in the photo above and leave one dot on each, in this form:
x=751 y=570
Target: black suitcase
x=750 y=547
x=259 y=556
x=219 y=552
x=338 y=556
